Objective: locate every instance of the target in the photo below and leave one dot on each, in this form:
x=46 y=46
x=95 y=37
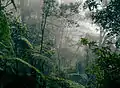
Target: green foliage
x=24 y=63
x=29 y=65
x=54 y=82
x=25 y=43
x=72 y=8
x=107 y=63
x=79 y=78
x=91 y=4
x=19 y=37
x=108 y=17
x=5 y=38
x=19 y=57
x=105 y=67
x=17 y=28
x=95 y=70
x=43 y=63
x=50 y=6
x=84 y=41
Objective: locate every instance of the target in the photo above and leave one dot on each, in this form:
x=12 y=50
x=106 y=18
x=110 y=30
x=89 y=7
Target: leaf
x=1 y=57
x=27 y=64
x=84 y=41
x=3 y=45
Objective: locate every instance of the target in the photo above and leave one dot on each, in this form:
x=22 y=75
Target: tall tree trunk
x=43 y=25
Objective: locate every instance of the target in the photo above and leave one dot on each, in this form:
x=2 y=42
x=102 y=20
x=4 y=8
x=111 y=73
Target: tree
x=91 y=4
x=15 y=53
x=106 y=66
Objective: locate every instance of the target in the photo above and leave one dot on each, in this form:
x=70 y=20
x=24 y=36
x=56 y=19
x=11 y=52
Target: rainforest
x=59 y=44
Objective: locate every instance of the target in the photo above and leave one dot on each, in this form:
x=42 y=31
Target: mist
x=66 y=35
x=59 y=43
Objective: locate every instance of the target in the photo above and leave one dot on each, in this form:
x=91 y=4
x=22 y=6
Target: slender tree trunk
x=43 y=25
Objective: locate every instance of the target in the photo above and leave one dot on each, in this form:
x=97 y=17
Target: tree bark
x=43 y=25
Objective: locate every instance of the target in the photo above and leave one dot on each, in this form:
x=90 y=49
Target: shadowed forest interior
x=59 y=44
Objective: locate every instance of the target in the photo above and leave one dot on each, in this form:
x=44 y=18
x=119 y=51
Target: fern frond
x=29 y=65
